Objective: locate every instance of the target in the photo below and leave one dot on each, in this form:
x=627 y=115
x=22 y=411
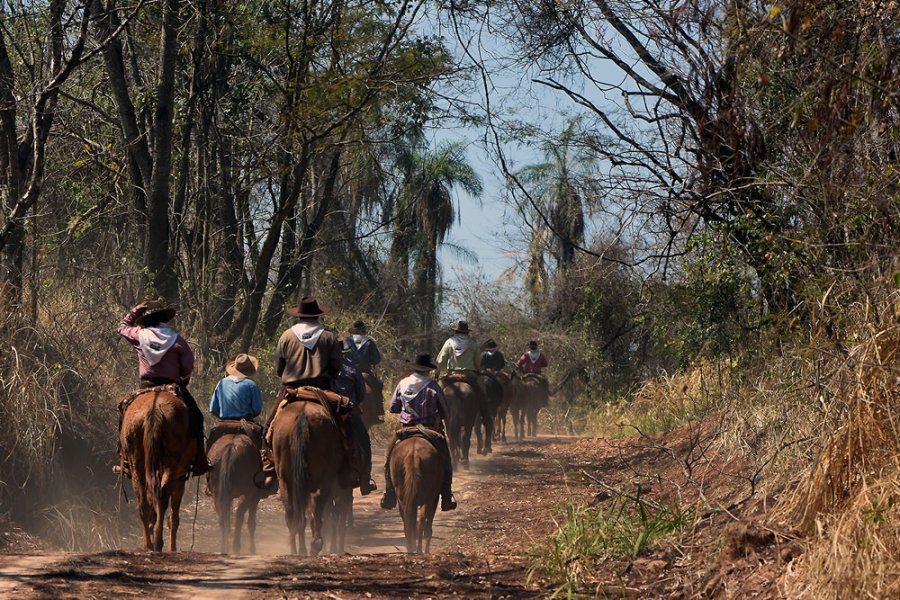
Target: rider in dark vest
x=492 y=359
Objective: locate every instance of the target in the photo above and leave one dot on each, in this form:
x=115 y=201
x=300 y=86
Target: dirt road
x=507 y=501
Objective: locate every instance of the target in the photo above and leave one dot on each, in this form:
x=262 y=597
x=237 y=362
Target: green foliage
x=586 y=537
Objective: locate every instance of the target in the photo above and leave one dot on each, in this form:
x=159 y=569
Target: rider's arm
x=502 y=361
x=443 y=358
x=127 y=327
x=542 y=361
x=215 y=407
x=521 y=363
x=280 y=362
x=185 y=360
x=374 y=354
x=255 y=400
x=360 y=386
x=396 y=401
x=334 y=358
x=442 y=408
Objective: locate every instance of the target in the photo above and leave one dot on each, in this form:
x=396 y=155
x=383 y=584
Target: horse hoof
x=316 y=547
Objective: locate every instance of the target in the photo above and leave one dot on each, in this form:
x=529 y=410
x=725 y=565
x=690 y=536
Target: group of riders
x=312 y=357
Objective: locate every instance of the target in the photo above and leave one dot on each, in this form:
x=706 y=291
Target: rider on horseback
x=307 y=355
x=420 y=401
x=164 y=358
x=532 y=361
x=458 y=355
x=237 y=396
x=492 y=359
x=350 y=383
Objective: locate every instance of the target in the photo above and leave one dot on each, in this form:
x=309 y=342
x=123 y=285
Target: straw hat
x=243 y=365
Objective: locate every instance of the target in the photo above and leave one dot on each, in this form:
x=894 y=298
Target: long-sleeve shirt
x=177 y=363
x=532 y=366
x=448 y=360
x=419 y=399
x=236 y=398
x=350 y=383
x=294 y=363
x=493 y=360
x=363 y=357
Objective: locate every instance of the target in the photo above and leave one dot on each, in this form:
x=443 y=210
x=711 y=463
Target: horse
x=487 y=413
x=535 y=396
x=517 y=408
x=235 y=460
x=373 y=407
x=463 y=400
x=510 y=389
x=158 y=446
x=309 y=454
x=417 y=471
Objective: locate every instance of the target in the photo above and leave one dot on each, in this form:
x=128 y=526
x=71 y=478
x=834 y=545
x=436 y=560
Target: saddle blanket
x=172 y=388
x=235 y=426
x=338 y=406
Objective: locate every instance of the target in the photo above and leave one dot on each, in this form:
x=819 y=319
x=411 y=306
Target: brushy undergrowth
x=624 y=528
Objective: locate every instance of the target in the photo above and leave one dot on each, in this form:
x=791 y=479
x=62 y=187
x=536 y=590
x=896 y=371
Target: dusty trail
x=506 y=500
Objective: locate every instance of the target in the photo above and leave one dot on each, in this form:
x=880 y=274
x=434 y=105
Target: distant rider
x=362 y=352
x=492 y=359
x=420 y=401
x=349 y=382
x=236 y=395
x=532 y=361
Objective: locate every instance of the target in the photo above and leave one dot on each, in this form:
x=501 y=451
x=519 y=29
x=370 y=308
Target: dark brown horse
x=463 y=400
x=373 y=407
x=308 y=454
x=235 y=460
x=157 y=445
x=417 y=472
x=492 y=386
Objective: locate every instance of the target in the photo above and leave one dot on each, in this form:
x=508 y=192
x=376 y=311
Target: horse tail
x=298 y=463
x=225 y=475
x=153 y=451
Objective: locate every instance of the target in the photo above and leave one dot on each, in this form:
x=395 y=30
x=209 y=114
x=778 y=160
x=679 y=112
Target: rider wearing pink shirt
x=532 y=361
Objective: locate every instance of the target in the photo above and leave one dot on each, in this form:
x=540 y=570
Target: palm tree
x=426 y=213
x=556 y=208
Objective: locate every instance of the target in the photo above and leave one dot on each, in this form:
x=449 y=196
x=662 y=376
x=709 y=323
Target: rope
x=196 y=505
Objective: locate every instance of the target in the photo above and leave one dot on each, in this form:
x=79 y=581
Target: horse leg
x=428 y=519
x=145 y=508
x=479 y=442
x=239 y=512
x=319 y=502
x=488 y=422
x=251 y=524
x=289 y=517
x=162 y=505
x=466 y=443
x=175 y=516
x=410 y=528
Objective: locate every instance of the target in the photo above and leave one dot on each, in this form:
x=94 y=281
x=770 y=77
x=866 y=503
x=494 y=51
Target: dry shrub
x=848 y=497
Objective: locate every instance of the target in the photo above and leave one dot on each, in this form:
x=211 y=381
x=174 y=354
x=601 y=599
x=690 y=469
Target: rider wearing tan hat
x=236 y=395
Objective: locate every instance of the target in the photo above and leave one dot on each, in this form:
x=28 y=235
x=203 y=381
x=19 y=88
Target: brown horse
x=417 y=471
x=510 y=389
x=492 y=386
x=535 y=396
x=463 y=401
x=156 y=443
x=308 y=454
x=235 y=460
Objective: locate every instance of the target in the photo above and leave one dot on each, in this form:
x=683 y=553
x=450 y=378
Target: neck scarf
x=460 y=343
x=360 y=339
x=308 y=333
x=533 y=355
x=412 y=385
x=154 y=342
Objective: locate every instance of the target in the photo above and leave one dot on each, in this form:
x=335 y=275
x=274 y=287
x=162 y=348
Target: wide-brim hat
x=489 y=344
x=461 y=327
x=308 y=307
x=242 y=365
x=358 y=327
x=155 y=307
x=423 y=363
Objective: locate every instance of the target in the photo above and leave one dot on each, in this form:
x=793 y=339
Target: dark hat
x=155 y=307
x=532 y=344
x=308 y=307
x=243 y=365
x=489 y=344
x=461 y=327
x=423 y=363
x=358 y=327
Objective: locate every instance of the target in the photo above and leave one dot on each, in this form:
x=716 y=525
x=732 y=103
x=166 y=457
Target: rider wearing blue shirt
x=237 y=396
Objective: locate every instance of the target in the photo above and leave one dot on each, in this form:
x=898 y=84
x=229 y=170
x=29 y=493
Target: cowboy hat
x=242 y=365
x=358 y=327
x=461 y=327
x=423 y=363
x=308 y=307
x=155 y=307
x=488 y=345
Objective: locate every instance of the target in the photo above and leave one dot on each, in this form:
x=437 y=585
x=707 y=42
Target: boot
x=201 y=464
x=269 y=482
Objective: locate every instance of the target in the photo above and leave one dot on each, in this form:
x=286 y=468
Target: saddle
x=436 y=438
x=338 y=406
x=235 y=427
x=172 y=388
x=536 y=377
